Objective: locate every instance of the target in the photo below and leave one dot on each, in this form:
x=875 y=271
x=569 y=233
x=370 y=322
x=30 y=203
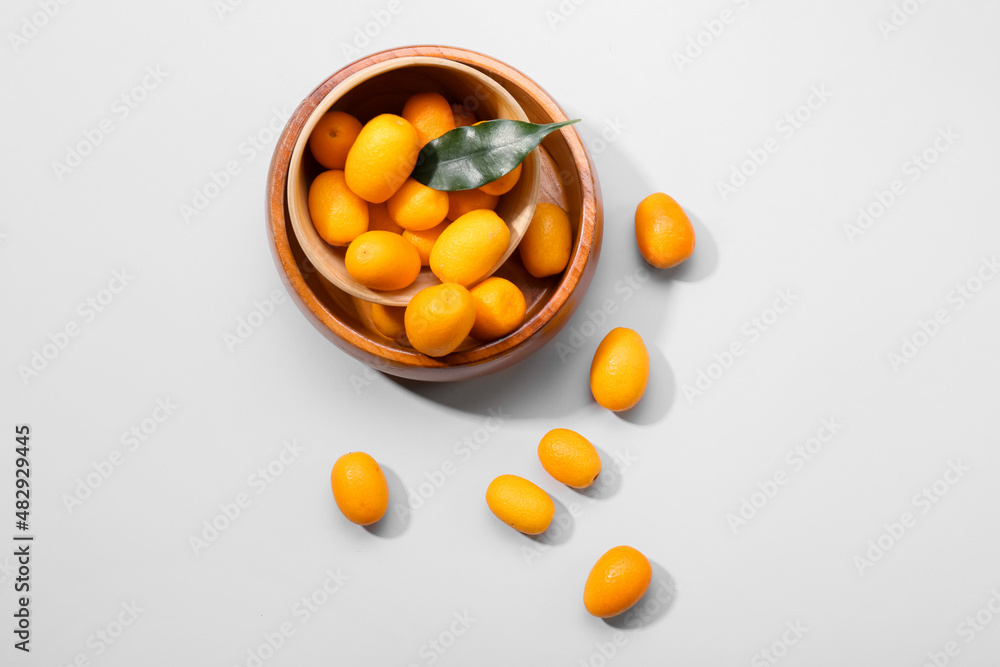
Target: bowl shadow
x=535 y=388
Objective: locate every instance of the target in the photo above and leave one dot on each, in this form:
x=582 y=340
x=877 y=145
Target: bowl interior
x=384 y=88
x=559 y=184
x=567 y=178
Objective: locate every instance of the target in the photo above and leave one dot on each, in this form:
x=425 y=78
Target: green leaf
x=472 y=156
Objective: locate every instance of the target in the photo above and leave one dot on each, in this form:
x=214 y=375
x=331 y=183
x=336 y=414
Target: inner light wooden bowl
x=568 y=179
x=384 y=88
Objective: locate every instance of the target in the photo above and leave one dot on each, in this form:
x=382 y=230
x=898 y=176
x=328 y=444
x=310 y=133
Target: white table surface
x=450 y=585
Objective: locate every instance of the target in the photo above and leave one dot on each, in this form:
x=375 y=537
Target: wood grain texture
x=569 y=181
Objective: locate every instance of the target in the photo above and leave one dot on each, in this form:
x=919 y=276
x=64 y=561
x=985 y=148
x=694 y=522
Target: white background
x=692 y=459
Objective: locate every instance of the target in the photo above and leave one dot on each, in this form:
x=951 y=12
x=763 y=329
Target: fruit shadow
x=700 y=265
x=646 y=308
x=607 y=483
x=397 y=517
x=560 y=530
x=652 y=606
x=625 y=185
x=660 y=392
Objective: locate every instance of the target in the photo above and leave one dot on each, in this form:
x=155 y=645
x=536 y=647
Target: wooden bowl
x=384 y=88
x=566 y=178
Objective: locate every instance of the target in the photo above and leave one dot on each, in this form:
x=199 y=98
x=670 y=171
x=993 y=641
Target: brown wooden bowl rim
x=292 y=274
